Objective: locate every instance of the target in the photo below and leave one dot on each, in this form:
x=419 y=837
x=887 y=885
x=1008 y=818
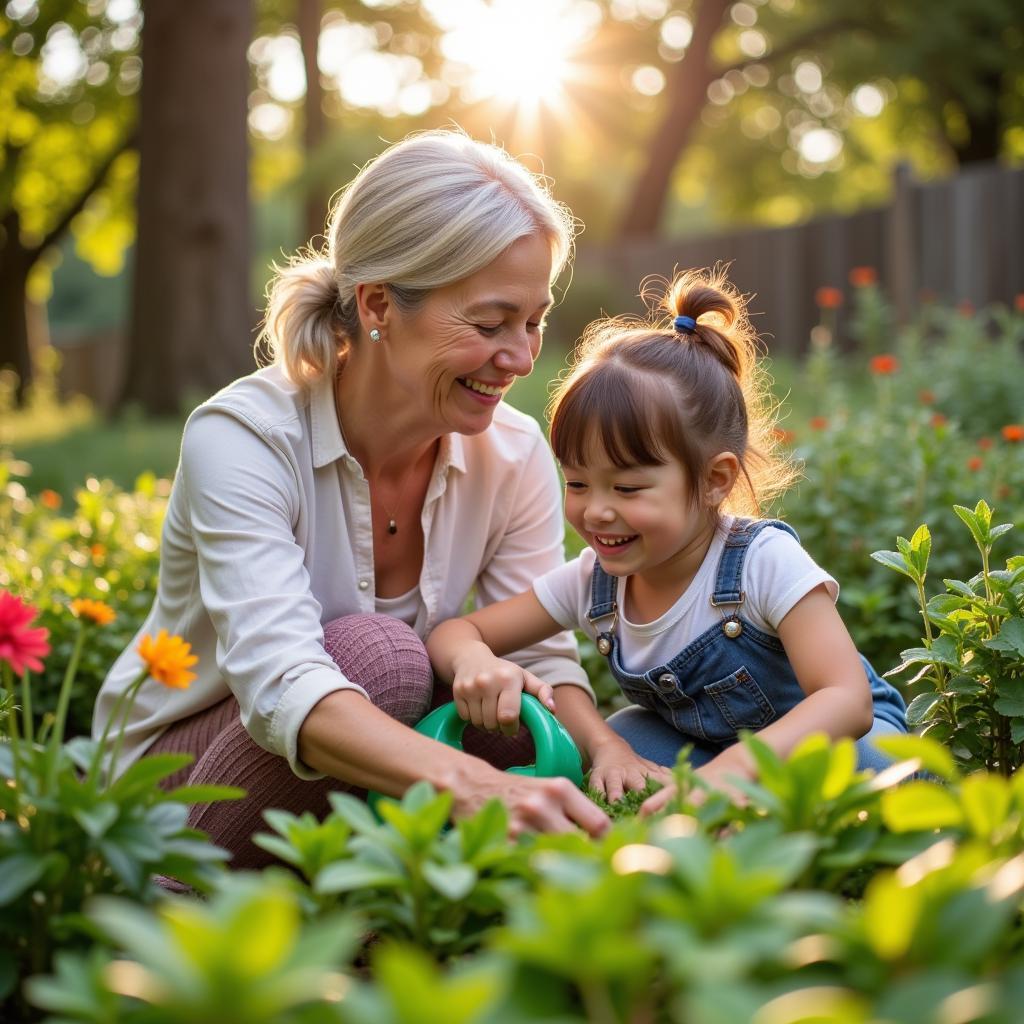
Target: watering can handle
x=556 y=751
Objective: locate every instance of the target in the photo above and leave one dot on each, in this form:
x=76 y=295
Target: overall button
x=364 y=584
x=667 y=681
x=732 y=628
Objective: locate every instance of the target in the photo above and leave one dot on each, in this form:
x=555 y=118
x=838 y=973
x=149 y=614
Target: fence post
x=899 y=244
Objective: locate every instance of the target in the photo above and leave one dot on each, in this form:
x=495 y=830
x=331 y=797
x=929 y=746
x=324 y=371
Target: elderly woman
x=329 y=510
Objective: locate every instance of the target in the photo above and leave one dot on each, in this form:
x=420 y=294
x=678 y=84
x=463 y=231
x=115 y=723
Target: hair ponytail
x=431 y=210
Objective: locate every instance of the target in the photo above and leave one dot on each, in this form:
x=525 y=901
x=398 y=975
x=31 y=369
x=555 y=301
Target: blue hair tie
x=685 y=324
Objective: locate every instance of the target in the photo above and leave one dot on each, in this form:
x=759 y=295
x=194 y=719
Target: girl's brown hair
x=647 y=392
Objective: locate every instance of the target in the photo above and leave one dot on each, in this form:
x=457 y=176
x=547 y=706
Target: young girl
x=712 y=623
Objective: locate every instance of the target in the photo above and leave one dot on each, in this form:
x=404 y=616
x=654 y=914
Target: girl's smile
x=640 y=520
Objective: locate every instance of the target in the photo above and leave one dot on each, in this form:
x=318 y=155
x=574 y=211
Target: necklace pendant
x=392 y=526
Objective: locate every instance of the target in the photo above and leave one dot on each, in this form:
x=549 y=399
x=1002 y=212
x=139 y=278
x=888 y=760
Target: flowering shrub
x=68 y=829
x=103 y=548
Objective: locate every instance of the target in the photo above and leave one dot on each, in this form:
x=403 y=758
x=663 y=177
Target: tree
x=192 y=318
x=67 y=83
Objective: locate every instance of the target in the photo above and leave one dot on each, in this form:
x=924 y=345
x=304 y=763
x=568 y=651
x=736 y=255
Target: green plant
x=68 y=829
x=408 y=874
x=972 y=658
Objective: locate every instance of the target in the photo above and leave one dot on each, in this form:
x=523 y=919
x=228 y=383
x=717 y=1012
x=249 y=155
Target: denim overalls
x=733 y=676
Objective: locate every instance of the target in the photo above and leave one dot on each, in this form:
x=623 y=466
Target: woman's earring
x=375 y=335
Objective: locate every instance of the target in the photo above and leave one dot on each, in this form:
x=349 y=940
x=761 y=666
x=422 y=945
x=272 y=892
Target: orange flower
x=96 y=611
x=862 y=277
x=50 y=499
x=98 y=550
x=21 y=645
x=926 y=397
x=965 y=308
x=783 y=436
x=985 y=443
x=1013 y=432
x=1018 y=302
x=828 y=298
x=974 y=463
x=938 y=419
x=883 y=365
x=168 y=659
x=818 y=423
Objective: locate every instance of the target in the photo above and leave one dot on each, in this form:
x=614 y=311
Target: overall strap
x=729 y=581
x=602 y=593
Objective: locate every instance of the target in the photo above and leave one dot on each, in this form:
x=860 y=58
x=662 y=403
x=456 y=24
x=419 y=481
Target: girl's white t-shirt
x=777 y=572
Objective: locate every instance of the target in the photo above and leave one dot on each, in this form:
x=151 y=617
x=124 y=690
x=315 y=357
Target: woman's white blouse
x=268 y=536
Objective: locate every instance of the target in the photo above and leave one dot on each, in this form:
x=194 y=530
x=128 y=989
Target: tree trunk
x=15 y=264
x=192 y=318
x=984 y=124
x=309 y=17
x=685 y=96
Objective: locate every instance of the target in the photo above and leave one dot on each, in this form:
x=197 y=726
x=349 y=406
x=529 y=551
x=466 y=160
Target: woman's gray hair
x=427 y=212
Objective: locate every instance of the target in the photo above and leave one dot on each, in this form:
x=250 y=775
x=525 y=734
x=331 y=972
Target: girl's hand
x=487 y=690
x=733 y=763
x=616 y=767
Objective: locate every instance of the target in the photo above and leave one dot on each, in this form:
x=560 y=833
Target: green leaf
x=986 y=802
x=935 y=757
x=920 y=806
x=894 y=560
x=18 y=873
x=453 y=881
x=204 y=794
x=347 y=875
x=98 y=819
x=921 y=549
x=1011 y=707
x=1009 y=639
x=148 y=771
x=919 y=709
x=355 y=812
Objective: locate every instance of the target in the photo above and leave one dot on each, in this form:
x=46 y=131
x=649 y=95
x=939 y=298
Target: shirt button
x=364 y=584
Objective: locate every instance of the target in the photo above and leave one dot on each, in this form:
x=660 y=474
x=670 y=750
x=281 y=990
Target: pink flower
x=21 y=646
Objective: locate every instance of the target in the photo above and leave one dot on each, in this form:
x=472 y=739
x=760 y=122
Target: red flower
x=828 y=298
x=965 y=308
x=862 y=277
x=938 y=419
x=50 y=499
x=883 y=365
x=984 y=443
x=1013 y=432
x=974 y=463
x=21 y=646
x=926 y=397
x=818 y=423
x=1018 y=302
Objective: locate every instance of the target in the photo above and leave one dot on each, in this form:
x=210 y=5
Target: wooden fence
x=957 y=240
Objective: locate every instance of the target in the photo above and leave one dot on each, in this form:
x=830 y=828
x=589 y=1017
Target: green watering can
x=556 y=751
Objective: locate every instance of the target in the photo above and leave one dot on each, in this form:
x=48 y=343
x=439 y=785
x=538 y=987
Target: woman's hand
x=535 y=805
x=487 y=689
x=615 y=767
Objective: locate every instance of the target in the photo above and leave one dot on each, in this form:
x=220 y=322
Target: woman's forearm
x=348 y=738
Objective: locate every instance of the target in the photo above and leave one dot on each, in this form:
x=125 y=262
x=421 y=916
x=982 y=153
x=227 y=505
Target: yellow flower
x=96 y=611
x=168 y=659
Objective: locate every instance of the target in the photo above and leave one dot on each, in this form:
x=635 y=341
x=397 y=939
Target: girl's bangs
x=612 y=410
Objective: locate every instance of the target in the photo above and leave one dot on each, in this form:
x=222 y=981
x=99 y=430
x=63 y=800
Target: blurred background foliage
x=652 y=116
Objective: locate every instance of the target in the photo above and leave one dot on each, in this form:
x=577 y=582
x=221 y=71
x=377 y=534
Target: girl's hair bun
x=706 y=309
